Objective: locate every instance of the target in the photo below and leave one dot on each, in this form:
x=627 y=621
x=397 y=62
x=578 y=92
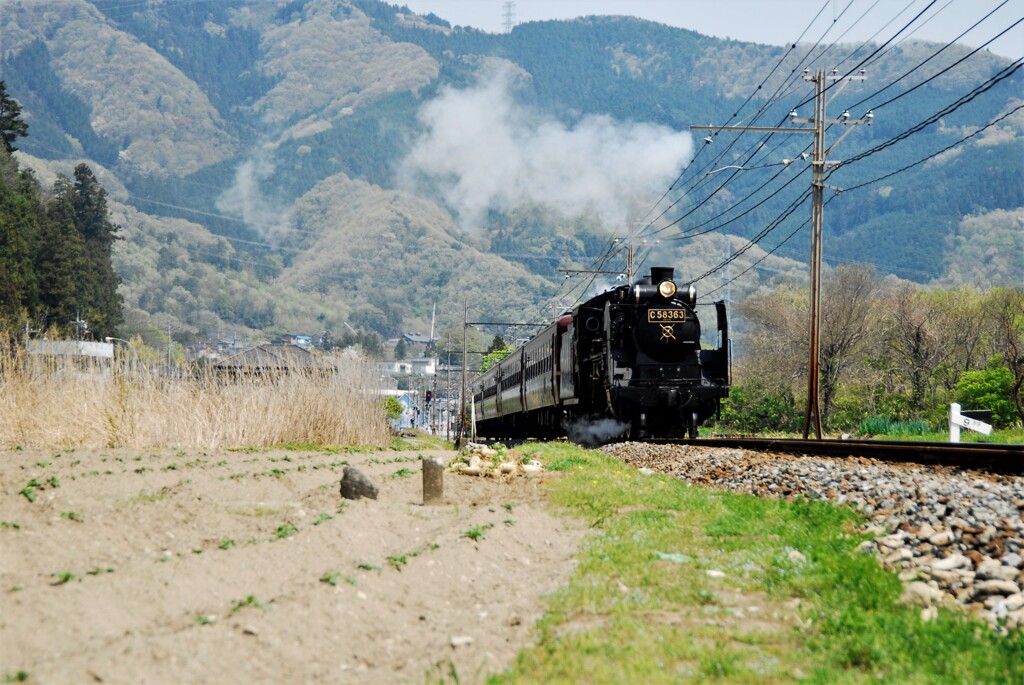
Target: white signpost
x=957 y=421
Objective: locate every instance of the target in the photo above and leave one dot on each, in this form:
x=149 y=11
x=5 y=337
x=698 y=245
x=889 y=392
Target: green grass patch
x=258 y=511
x=151 y=497
x=478 y=533
x=418 y=440
x=62 y=577
x=1005 y=436
x=248 y=601
x=683 y=584
x=285 y=530
x=322 y=518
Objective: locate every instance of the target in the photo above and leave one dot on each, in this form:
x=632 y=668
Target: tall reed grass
x=52 y=402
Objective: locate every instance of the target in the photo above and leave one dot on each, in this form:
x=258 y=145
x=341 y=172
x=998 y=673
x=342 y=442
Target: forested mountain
x=334 y=164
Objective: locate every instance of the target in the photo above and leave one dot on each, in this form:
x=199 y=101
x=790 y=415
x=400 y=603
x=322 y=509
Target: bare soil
x=236 y=567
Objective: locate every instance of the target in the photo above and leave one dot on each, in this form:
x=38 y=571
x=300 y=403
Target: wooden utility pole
x=462 y=411
x=819 y=123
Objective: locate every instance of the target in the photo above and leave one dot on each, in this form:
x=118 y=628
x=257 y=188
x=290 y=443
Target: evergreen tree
x=11 y=125
x=16 y=272
x=21 y=214
x=60 y=259
x=100 y=298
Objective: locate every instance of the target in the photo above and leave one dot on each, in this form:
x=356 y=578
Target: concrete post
x=433 y=480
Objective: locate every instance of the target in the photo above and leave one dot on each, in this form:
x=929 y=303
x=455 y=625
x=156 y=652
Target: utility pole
x=81 y=326
x=818 y=161
x=28 y=331
x=465 y=345
x=448 y=390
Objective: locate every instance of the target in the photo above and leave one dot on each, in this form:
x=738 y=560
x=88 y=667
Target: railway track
x=995 y=458
x=949 y=519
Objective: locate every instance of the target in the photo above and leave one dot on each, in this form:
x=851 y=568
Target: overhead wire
x=792 y=46
x=940 y=72
x=970 y=96
x=936 y=154
x=867 y=183
x=945 y=111
x=752 y=117
x=761 y=144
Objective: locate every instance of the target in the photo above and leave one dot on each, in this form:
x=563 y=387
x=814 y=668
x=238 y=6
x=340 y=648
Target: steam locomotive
x=626 y=364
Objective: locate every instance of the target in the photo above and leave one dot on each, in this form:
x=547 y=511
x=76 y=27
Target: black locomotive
x=625 y=364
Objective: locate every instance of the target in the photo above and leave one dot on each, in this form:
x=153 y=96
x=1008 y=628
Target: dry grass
x=52 y=403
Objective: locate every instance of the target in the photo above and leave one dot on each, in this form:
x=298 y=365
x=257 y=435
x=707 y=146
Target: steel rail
x=996 y=458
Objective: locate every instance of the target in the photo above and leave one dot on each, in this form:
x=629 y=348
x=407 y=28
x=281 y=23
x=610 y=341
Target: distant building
x=72 y=349
x=417 y=338
x=75 y=357
x=273 y=359
x=304 y=341
x=422 y=366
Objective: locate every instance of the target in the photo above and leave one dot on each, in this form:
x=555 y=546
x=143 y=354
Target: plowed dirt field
x=128 y=566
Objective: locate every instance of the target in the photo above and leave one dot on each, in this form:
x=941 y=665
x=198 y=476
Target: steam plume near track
x=484 y=150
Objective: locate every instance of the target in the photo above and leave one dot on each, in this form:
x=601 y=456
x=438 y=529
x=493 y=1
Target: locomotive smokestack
x=661 y=273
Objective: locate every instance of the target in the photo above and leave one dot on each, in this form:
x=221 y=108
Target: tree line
x=888 y=349
x=55 y=246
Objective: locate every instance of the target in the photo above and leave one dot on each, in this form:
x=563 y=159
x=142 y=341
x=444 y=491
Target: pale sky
x=775 y=22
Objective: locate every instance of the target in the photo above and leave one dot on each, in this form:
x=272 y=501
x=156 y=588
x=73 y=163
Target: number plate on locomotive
x=665 y=315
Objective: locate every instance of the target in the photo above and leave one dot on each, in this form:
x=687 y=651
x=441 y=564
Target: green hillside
x=267 y=154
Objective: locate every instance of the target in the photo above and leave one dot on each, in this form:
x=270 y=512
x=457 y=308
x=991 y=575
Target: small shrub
x=757 y=409
x=989 y=389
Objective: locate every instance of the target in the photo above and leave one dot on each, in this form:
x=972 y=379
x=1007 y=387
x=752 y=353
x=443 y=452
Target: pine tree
x=100 y=299
x=11 y=125
x=60 y=260
x=21 y=213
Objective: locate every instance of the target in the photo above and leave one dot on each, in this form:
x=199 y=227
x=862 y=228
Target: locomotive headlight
x=667 y=289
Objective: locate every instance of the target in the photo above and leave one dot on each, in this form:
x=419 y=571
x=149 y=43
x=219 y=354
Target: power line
x=971 y=95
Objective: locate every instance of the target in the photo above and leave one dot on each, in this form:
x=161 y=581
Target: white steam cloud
x=593 y=432
x=246 y=200
x=483 y=150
